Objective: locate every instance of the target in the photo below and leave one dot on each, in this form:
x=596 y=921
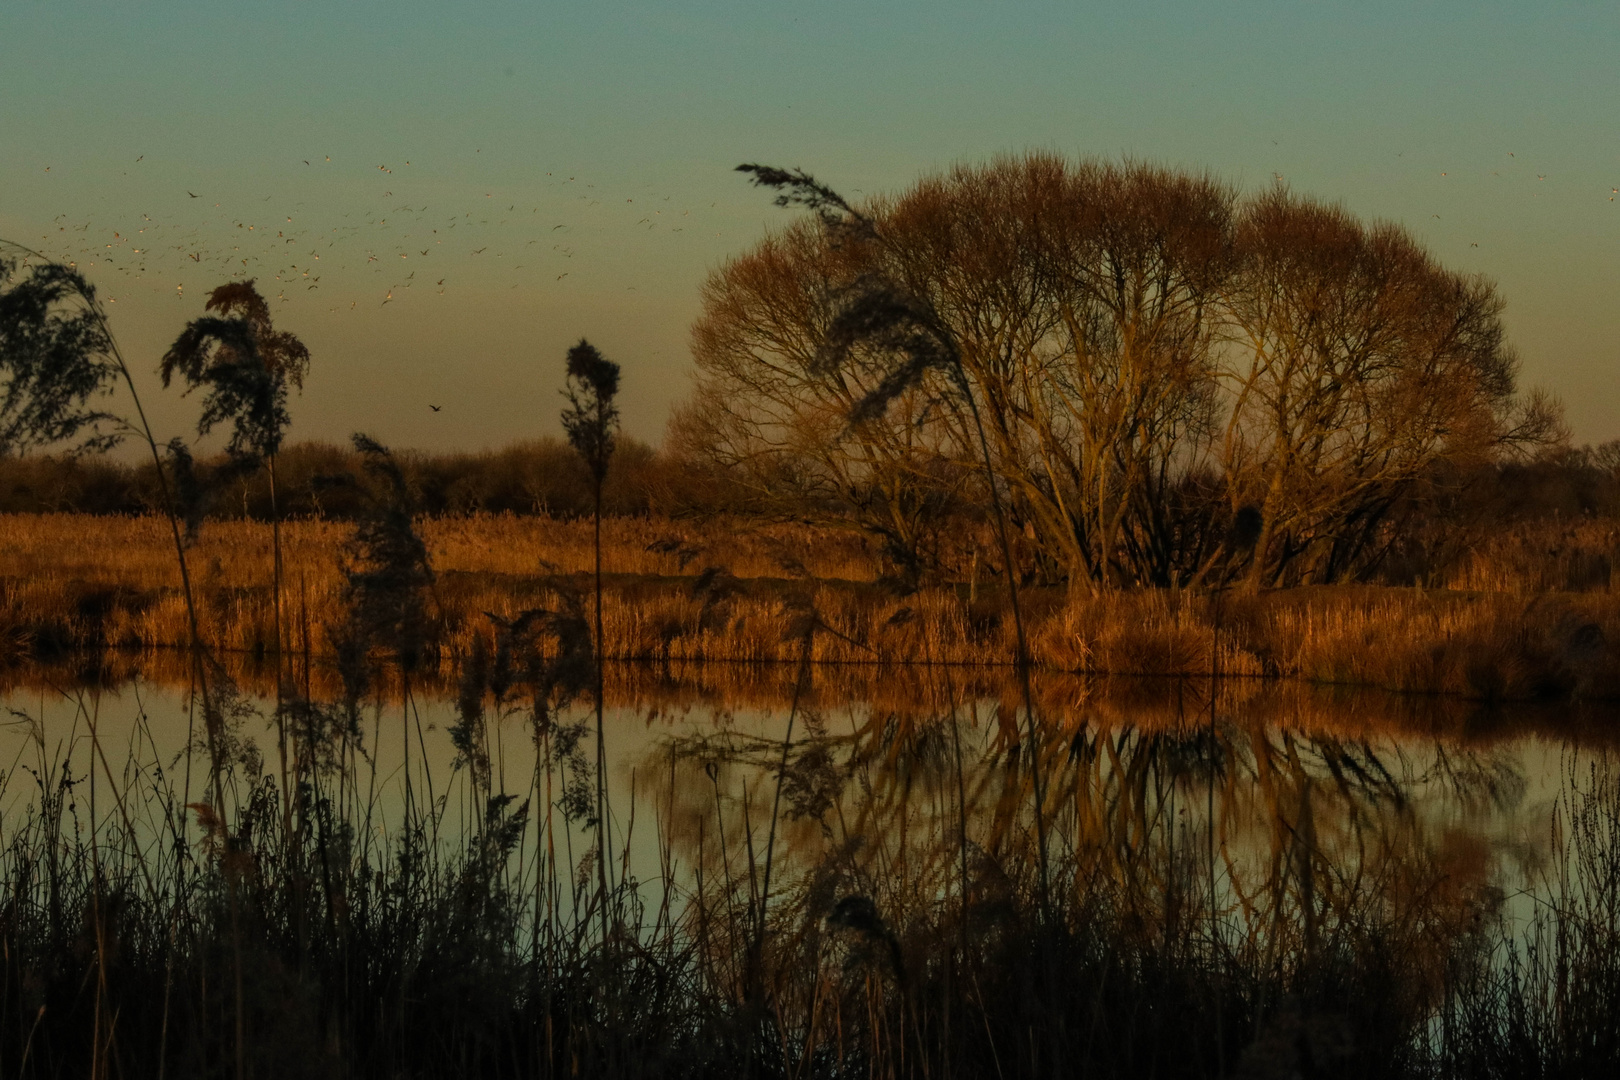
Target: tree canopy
x=1151 y=352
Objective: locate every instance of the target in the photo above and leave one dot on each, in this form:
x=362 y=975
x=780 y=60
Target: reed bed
x=1225 y=896
x=978 y=871
x=1539 y=556
x=681 y=593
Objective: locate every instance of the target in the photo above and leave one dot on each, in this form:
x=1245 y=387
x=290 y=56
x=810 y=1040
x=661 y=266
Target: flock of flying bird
x=370 y=255
x=399 y=243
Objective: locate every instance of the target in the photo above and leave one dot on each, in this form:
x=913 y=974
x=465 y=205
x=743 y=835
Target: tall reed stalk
x=71 y=287
x=591 y=421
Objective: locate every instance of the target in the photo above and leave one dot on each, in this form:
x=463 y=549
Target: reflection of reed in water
x=1358 y=929
x=1062 y=700
x=1344 y=903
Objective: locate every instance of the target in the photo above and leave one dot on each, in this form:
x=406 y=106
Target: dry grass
x=1543 y=556
x=908 y=932
x=1492 y=646
x=70 y=582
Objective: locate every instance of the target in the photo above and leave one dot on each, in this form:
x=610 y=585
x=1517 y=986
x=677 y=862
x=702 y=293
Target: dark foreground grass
x=1222 y=901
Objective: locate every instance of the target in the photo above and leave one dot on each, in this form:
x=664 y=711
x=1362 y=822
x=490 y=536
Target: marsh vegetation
x=804 y=746
x=810 y=879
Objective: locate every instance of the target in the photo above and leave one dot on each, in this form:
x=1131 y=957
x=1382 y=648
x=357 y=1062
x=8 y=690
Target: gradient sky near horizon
x=485 y=183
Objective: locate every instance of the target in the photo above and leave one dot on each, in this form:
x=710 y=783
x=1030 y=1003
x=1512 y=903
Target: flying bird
x=435 y=408
x=193 y=194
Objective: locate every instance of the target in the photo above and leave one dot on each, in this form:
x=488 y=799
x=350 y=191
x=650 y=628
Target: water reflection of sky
x=1321 y=799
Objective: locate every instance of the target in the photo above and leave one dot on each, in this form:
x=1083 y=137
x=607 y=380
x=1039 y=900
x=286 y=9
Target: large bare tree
x=774 y=416
x=1149 y=353
x=1357 y=365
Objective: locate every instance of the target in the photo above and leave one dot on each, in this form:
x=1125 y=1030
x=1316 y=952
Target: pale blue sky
x=648 y=106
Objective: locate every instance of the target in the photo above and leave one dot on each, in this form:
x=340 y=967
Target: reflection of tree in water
x=1306 y=881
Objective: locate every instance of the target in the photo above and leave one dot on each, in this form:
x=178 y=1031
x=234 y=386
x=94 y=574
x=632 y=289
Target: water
x=838 y=869
x=1293 y=798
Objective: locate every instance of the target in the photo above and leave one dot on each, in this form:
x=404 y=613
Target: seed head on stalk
x=591 y=418
x=55 y=356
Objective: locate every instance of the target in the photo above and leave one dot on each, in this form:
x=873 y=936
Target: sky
x=440 y=199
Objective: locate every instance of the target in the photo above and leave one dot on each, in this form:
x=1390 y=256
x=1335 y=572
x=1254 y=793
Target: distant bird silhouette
x=193 y=194
x=435 y=408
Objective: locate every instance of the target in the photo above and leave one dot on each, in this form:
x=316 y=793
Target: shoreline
x=71 y=584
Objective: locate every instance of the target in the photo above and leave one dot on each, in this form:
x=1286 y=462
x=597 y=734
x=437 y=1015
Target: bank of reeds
x=1332 y=930
x=728 y=591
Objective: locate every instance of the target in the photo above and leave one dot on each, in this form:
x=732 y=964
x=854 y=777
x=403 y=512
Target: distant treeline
x=546 y=476
x=319 y=480
x=1581 y=482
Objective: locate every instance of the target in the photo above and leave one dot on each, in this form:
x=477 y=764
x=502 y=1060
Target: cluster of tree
x=325 y=480
x=1167 y=382
x=1564 y=482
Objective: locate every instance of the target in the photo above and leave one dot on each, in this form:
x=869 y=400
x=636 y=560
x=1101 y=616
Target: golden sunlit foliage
x=727 y=589
x=1153 y=356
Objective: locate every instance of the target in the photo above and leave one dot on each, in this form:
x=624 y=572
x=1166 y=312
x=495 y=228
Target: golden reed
x=734 y=591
